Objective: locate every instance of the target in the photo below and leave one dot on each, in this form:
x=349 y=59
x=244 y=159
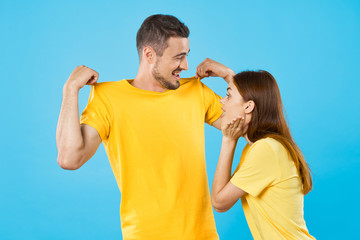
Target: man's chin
x=171 y=86
x=177 y=85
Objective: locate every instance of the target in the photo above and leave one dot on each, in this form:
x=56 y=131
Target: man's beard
x=165 y=83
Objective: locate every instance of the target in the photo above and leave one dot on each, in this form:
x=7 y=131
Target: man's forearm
x=229 y=76
x=69 y=139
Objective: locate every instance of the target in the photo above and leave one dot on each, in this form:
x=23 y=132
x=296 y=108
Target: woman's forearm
x=223 y=169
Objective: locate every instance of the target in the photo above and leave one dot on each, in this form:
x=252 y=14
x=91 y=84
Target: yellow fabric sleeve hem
x=99 y=129
x=239 y=185
x=216 y=117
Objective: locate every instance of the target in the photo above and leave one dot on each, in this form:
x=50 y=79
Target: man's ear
x=149 y=54
x=249 y=106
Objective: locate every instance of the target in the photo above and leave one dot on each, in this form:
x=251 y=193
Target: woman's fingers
x=234 y=128
x=236 y=122
x=239 y=122
x=233 y=124
x=226 y=127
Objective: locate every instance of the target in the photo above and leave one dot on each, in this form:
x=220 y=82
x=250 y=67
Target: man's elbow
x=68 y=163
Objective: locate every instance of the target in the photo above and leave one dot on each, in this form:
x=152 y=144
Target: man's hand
x=81 y=76
x=211 y=68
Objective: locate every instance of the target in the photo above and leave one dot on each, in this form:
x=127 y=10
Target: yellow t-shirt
x=274 y=204
x=155 y=145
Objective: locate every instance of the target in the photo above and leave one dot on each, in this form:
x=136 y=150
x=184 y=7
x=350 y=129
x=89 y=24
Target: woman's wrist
x=229 y=140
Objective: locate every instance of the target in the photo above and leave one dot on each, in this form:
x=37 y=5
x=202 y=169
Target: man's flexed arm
x=211 y=68
x=75 y=143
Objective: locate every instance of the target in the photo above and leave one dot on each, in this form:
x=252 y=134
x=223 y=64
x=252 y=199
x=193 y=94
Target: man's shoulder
x=108 y=86
x=191 y=80
x=193 y=83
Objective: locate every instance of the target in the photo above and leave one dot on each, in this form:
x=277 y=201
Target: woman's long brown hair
x=268 y=118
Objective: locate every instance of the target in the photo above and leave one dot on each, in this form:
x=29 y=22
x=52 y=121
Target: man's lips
x=176 y=74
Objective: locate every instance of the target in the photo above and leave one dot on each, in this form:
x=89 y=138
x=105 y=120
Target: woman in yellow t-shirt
x=273 y=176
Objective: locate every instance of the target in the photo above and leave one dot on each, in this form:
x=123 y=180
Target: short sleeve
x=259 y=169
x=212 y=105
x=96 y=113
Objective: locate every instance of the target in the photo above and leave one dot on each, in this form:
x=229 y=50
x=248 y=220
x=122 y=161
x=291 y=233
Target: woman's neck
x=247 y=139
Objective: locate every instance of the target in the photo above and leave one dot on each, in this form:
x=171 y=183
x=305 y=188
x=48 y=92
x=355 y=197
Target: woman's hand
x=234 y=129
x=224 y=194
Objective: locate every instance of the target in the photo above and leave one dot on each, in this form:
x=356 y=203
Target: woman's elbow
x=221 y=210
x=218 y=205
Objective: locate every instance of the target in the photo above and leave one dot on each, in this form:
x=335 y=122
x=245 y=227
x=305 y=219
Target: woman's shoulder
x=264 y=142
x=269 y=145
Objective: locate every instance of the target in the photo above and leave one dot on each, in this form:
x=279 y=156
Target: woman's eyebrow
x=229 y=88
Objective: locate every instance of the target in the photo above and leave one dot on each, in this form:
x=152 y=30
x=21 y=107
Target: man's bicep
x=91 y=140
x=217 y=124
x=212 y=106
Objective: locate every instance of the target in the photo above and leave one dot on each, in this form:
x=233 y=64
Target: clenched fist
x=211 y=68
x=81 y=76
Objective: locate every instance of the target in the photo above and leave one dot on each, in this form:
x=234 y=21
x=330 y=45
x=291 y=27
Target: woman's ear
x=149 y=54
x=249 y=106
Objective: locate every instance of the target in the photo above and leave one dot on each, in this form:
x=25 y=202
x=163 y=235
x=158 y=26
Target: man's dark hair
x=156 y=30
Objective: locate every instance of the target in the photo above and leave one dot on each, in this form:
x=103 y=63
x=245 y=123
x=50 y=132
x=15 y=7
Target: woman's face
x=234 y=105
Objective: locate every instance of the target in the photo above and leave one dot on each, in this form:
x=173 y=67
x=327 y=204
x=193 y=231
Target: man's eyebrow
x=182 y=54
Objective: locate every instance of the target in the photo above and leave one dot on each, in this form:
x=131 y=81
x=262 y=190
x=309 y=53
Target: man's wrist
x=229 y=76
x=69 y=89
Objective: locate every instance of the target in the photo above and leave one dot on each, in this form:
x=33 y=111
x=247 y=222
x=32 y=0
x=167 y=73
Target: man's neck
x=144 y=80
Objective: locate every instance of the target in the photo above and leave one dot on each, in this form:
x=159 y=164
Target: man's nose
x=184 y=64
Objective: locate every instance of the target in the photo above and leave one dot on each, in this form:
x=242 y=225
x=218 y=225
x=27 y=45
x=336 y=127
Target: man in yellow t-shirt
x=152 y=128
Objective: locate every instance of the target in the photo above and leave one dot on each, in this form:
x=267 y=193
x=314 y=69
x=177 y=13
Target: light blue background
x=311 y=47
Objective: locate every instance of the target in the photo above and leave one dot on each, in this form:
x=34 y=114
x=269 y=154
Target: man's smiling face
x=167 y=68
